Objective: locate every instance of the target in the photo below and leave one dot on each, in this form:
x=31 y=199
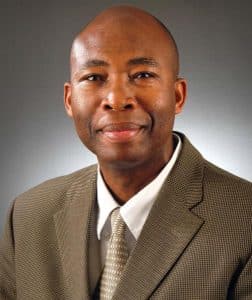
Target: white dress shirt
x=135 y=211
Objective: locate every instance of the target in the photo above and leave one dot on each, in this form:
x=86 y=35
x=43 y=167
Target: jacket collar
x=169 y=229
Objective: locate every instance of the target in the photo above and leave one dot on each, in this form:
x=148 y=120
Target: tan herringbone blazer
x=195 y=245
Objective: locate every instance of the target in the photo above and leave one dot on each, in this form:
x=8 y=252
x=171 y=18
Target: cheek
x=83 y=100
x=162 y=108
x=83 y=110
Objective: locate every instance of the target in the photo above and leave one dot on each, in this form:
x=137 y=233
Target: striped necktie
x=116 y=257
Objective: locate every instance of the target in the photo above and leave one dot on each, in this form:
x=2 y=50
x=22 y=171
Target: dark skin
x=123 y=96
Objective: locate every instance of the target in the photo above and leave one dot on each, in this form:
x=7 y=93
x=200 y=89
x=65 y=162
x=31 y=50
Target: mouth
x=121 y=132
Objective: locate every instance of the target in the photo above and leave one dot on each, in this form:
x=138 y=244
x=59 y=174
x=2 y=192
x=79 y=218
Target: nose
x=119 y=97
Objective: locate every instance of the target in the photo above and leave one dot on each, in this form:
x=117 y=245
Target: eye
x=143 y=75
x=94 y=77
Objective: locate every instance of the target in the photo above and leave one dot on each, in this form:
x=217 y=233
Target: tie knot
x=117 y=223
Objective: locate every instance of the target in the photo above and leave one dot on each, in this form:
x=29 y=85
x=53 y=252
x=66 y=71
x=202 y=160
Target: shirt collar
x=136 y=210
x=106 y=203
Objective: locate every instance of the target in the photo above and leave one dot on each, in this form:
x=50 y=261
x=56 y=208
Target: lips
x=121 y=132
x=120 y=127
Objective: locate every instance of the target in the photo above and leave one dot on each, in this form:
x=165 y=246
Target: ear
x=180 y=93
x=68 y=99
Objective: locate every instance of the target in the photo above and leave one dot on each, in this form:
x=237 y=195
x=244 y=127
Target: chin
x=121 y=161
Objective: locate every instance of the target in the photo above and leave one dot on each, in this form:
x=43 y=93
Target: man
x=187 y=224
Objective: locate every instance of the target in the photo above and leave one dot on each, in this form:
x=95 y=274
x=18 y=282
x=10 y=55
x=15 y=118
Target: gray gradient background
x=38 y=140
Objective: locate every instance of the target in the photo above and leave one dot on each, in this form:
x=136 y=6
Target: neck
x=124 y=183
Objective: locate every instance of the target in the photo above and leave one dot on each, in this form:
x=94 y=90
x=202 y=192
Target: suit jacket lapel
x=94 y=259
x=73 y=224
x=168 y=230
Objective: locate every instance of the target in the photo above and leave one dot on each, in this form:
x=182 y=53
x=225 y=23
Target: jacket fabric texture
x=196 y=243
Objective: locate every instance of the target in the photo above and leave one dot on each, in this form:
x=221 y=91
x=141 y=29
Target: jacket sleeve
x=7 y=265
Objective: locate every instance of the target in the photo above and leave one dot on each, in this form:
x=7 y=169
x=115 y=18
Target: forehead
x=113 y=41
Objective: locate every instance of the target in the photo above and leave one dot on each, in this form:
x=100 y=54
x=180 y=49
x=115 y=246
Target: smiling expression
x=124 y=91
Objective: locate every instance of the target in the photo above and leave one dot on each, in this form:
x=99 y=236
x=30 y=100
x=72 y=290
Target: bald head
x=120 y=23
x=124 y=91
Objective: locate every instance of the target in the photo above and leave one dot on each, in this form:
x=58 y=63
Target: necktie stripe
x=116 y=257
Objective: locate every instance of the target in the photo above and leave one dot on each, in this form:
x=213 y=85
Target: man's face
x=124 y=94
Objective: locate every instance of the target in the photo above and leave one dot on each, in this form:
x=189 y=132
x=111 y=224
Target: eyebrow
x=94 y=63
x=148 y=61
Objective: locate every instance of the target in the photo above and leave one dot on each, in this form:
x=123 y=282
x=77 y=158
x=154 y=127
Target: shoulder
x=222 y=193
x=51 y=194
x=217 y=179
x=226 y=204
x=212 y=176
